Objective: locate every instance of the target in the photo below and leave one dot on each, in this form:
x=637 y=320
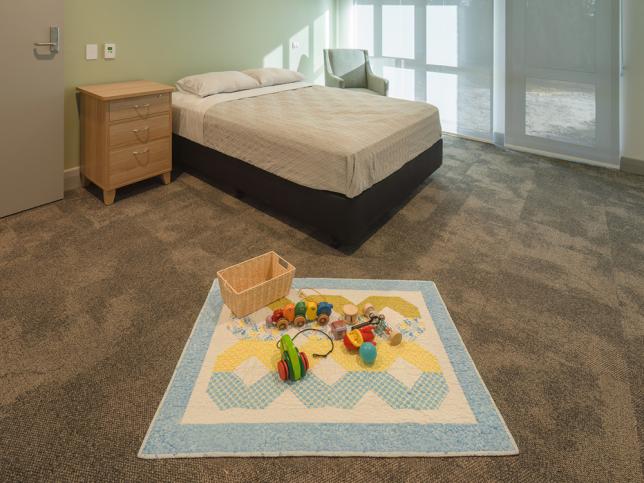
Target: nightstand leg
x=166 y=178
x=108 y=196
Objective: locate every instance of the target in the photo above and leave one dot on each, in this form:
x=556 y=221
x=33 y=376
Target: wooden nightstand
x=126 y=134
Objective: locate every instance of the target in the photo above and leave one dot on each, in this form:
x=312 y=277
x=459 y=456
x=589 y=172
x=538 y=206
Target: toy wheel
x=323 y=319
x=299 y=321
x=282 y=324
x=282 y=370
x=305 y=360
x=302 y=366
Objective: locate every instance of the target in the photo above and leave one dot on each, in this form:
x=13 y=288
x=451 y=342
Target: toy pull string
x=303 y=296
x=314 y=330
x=321 y=332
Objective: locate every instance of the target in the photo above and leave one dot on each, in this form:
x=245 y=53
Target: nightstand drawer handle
x=145 y=130
x=143 y=106
x=140 y=153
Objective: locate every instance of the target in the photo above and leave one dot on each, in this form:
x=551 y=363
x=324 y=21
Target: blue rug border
x=167 y=438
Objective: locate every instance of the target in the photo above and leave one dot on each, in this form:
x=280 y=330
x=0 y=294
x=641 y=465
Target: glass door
x=562 y=77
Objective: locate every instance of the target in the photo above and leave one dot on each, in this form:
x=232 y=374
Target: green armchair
x=350 y=69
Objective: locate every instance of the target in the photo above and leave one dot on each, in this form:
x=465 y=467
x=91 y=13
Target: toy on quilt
x=294 y=364
x=299 y=314
x=361 y=337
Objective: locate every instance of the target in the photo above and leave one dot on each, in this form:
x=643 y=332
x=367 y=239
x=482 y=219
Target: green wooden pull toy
x=294 y=364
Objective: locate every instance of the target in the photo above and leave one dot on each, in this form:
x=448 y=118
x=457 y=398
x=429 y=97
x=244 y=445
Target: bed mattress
x=322 y=138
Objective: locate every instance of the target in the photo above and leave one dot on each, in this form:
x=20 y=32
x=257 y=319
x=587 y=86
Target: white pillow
x=216 y=82
x=272 y=76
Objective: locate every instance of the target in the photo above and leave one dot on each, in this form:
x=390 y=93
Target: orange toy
x=355 y=338
x=289 y=312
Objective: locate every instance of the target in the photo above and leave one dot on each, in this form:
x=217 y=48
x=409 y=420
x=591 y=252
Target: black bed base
x=340 y=221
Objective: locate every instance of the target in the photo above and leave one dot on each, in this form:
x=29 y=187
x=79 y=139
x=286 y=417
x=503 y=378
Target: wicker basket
x=255 y=283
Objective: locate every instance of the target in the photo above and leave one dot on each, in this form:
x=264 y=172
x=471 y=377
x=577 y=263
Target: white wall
x=633 y=81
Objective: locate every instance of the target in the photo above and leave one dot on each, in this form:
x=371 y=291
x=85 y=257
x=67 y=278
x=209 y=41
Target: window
x=401 y=82
x=364 y=28
x=556 y=84
x=561 y=111
x=442 y=91
x=439 y=51
x=398 y=31
x=442 y=35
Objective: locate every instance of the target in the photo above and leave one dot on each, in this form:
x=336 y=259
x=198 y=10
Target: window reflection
x=363 y=15
x=401 y=82
x=442 y=91
x=561 y=111
x=398 y=31
x=442 y=35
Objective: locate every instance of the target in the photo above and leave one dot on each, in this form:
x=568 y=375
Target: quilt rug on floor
x=422 y=397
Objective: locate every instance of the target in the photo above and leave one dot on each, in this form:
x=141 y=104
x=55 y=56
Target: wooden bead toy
x=281 y=317
x=311 y=311
x=300 y=313
x=324 y=312
x=350 y=314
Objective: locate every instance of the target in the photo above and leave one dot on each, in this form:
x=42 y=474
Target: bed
x=336 y=161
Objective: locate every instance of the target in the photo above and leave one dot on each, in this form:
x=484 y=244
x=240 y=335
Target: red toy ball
x=355 y=338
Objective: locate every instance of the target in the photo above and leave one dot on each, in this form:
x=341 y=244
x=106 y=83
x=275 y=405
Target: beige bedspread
x=323 y=138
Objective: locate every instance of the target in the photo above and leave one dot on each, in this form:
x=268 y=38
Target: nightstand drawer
x=139 y=107
x=140 y=131
x=133 y=163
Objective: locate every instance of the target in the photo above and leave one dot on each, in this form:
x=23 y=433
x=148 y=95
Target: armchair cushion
x=349 y=65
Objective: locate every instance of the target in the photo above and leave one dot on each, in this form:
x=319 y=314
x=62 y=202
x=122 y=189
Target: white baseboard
x=72 y=178
x=469 y=138
x=564 y=157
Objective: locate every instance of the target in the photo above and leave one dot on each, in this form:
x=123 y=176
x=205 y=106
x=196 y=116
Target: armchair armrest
x=376 y=83
x=330 y=79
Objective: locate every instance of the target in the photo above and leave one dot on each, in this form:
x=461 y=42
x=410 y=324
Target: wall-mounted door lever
x=54 y=36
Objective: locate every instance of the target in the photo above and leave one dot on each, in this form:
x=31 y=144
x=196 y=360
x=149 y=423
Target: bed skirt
x=337 y=220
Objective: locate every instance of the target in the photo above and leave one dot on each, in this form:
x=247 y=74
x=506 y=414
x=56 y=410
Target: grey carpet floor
x=540 y=262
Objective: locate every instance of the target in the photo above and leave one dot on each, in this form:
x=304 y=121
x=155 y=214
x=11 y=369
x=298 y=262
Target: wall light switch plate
x=109 y=51
x=91 y=52
x=295 y=44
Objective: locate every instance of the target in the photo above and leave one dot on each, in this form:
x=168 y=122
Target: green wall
x=165 y=40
